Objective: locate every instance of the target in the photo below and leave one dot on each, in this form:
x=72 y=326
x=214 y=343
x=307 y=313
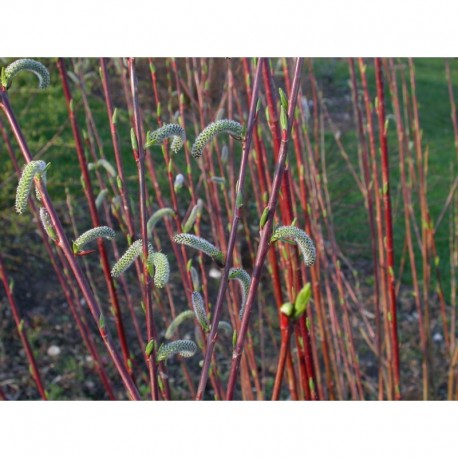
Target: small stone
x=437 y=337
x=90 y=385
x=53 y=350
x=214 y=273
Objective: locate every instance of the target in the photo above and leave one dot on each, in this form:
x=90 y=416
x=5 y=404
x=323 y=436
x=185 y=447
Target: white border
x=227 y=429
x=311 y=28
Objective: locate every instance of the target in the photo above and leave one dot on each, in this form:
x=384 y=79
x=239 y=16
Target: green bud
x=302 y=300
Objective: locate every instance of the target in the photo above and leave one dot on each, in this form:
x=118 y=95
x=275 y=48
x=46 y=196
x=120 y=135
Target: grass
x=434 y=108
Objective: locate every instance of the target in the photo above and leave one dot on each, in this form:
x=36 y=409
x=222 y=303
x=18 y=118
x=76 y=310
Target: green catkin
x=226 y=327
x=179 y=319
x=47 y=224
x=167 y=131
x=128 y=258
x=199 y=310
x=202 y=245
x=188 y=225
x=31 y=170
x=242 y=276
x=100 y=198
x=161 y=269
x=105 y=164
x=302 y=240
x=91 y=235
x=184 y=348
x=156 y=217
x=29 y=65
x=206 y=136
x=195 y=279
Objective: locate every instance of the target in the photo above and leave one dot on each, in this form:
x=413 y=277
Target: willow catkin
x=29 y=65
x=195 y=278
x=157 y=216
x=47 y=224
x=244 y=279
x=161 y=267
x=100 y=198
x=184 y=348
x=128 y=258
x=303 y=241
x=226 y=327
x=179 y=319
x=195 y=212
x=174 y=131
x=200 y=244
x=91 y=235
x=199 y=310
x=31 y=170
x=211 y=131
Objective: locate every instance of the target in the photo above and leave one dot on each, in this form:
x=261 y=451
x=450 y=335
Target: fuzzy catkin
x=174 y=131
x=242 y=276
x=32 y=169
x=29 y=65
x=128 y=258
x=157 y=216
x=199 y=310
x=225 y=326
x=303 y=241
x=188 y=225
x=161 y=269
x=195 y=278
x=213 y=129
x=47 y=224
x=200 y=244
x=100 y=198
x=184 y=348
x=179 y=319
x=93 y=234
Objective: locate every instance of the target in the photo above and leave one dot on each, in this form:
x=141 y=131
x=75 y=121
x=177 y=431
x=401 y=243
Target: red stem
x=388 y=227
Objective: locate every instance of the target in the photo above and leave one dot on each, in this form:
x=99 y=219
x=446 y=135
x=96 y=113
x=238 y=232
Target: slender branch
x=392 y=318
x=211 y=339
x=140 y=159
x=64 y=244
x=94 y=214
x=266 y=231
x=22 y=332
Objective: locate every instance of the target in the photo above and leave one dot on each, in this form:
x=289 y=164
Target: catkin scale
x=213 y=129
